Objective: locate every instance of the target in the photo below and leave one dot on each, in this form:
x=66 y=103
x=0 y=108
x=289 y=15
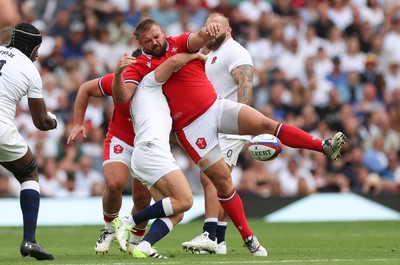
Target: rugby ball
x=265 y=147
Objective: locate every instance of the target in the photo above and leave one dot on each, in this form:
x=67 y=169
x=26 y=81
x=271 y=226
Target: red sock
x=109 y=219
x=233 y=207
x=138 y=231
x=297 y=138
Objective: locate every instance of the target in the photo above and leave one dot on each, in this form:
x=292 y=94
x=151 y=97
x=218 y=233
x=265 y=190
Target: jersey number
x=2 y=63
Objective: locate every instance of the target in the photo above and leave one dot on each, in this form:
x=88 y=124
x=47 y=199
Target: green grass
x=287 y=243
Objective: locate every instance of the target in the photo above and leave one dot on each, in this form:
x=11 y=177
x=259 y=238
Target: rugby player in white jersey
x=152 y=161
x=18 y=78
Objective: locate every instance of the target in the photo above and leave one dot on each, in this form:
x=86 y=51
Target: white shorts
x=231 y=147
x=151 y=161
x=201 y=136
x=12 y=145
x=116 y=150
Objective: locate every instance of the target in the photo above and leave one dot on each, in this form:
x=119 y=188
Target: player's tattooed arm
x=243 y=76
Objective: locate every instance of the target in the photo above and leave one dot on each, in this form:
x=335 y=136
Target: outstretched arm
x=122 y=92
x=165 y=70
x=200 y=38
x=86 y=90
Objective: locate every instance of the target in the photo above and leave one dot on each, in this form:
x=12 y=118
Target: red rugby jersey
x=188 y=91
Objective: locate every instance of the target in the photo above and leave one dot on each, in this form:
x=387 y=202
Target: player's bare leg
x=175 y=197
x=253 y=122
x=219 y=174
x=214 y=222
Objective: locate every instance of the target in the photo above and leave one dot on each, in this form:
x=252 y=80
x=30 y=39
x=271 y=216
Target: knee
x=141 y=199
x=188 y=203
x=183 y=204
x=114 y=187
x=30 y=172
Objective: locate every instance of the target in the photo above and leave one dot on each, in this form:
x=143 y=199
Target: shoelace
x=104 y=233
x=251 y=245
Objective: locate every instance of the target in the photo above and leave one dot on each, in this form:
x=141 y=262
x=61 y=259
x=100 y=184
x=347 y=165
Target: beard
x=157 y=50
x=216 y=42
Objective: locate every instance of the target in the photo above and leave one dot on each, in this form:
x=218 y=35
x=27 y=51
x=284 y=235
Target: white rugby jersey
x=18 y=77
x=150 y=112
x=220 y=64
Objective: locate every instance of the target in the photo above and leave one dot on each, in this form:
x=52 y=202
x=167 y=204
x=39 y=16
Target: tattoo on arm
x=243 y=76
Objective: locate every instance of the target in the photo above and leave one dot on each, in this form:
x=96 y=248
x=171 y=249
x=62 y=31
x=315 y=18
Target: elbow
x=175 y=61
x=120 y=100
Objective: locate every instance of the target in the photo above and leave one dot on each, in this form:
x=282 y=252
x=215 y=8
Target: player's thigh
x=253 y=122
x=174 y=184
x=151 y=161
x=116 y=162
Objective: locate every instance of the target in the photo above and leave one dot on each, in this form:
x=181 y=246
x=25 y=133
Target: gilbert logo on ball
x=265 y=147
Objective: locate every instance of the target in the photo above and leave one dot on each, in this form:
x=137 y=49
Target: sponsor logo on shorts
x=118 y=149
x=201 y=143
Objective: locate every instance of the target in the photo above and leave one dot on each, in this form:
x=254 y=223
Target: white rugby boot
x=123 y=229
x=333 y=146
x=221 y=249
x=199 y=243
x=104 y=241
x=255 y=247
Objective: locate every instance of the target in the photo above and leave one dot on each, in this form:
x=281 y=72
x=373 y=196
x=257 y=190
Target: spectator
x=60 y=27
x=340 y=13
x=252 y=9
x=52 y=179
x=256 y=180
x=323 y=24
x=392 y=76
x=376 y=160
x=119 y=30
x=295 y=180
x=338 y=77
x=75 y=41
x=198 y=14
x=165 y=13
x=391 y=41
x=89 y=182
x=373 y=14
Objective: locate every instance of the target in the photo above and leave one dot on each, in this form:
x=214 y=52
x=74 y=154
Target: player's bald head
x=224 y=33
x=218 y=18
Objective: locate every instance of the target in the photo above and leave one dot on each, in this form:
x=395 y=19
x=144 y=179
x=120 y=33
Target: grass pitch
x=324 y=243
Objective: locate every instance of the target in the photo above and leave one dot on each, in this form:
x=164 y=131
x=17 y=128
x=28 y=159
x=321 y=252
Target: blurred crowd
x=322 y=65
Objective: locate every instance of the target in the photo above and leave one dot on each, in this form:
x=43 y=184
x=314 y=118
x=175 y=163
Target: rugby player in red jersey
x=199 y=115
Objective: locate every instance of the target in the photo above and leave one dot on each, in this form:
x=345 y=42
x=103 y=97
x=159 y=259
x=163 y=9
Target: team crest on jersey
x=174 y=50
x=214 y=60
x=148 y=64
x=201 y=143
x=118 y=149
